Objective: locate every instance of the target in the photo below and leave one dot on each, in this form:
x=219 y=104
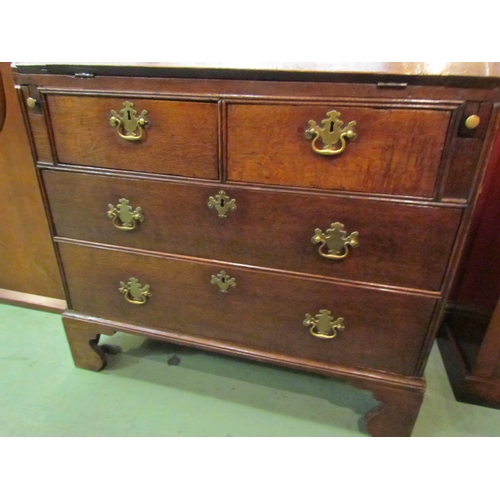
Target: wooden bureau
x=311 y=219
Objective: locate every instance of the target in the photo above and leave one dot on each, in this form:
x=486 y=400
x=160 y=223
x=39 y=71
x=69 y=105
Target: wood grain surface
x=264 y=310
x=182 y=137
x=400 y=245
x=398 y=151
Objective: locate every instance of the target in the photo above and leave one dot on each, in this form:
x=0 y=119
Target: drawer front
x=399 y=244
x=383 y=330
x=397 y=151
x=181 y=138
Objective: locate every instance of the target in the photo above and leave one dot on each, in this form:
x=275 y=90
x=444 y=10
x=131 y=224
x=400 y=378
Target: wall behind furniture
x=29 y=273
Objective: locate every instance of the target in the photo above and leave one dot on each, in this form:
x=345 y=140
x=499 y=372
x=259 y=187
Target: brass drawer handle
x=134 y=292
x=124 y=217
x=222 y=203
x=337 y=241
x=223 y=281
x=128 y=121
x=323 y=325
x=331 y=134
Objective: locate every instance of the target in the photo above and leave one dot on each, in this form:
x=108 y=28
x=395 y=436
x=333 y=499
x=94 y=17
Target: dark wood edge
x=37 y=302
x=385 y=379
x=451 y=105
x=295 y=74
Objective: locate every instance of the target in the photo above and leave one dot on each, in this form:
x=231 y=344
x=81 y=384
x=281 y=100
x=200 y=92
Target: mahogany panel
x=182 y=138
x=263 y=311
x=268 y=228
x=28 y=262
x=397 y=151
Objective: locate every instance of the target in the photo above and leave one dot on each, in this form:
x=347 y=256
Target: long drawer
x=397 y=151
x=382 y=330
x=399 y=244
x=181 y=138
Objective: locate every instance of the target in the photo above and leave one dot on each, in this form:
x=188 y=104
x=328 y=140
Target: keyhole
x=128 y=114
x=331 y=126
x=222 y=203
x=223 y=279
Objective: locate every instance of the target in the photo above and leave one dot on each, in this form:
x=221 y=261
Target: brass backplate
x=336 y=240
x=331 y=133
x=124 y=216
x=323 y=325
x=134 y=292
x=128 y=122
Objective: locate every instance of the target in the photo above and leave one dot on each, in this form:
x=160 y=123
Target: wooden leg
x=398 y=412
x=83 y=338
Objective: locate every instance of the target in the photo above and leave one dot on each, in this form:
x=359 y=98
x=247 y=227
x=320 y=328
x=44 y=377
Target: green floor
x=155 y=389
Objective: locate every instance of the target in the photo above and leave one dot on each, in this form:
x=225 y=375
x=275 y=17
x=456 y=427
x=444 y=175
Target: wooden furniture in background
x=29 y=273
x=469 y=338
x=189 y=205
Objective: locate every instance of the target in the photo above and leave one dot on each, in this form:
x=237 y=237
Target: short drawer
x=382 y=330
x=399 y=244
x=397 y=151
x=181 y=137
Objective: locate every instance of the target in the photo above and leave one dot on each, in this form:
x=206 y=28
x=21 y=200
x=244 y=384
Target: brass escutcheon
x=331 y=133
x=134 y=292
x=128 y=121
x=222 y=203
x=323 y=325
x=223 y=281
x=124 y=213
x=337 y=241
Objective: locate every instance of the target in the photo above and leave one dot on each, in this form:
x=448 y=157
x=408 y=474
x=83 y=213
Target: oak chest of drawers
x=307 y=219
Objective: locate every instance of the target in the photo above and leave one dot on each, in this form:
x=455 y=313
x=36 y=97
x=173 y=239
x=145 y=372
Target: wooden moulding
x=400 y=397
x=38 y=302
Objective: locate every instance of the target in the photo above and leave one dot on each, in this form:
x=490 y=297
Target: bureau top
x=451 y=73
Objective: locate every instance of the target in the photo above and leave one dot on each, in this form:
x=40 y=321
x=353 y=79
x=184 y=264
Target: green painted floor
x=151 y=388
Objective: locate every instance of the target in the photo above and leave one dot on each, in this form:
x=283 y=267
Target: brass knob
x=472 y=122
x=31 y=102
